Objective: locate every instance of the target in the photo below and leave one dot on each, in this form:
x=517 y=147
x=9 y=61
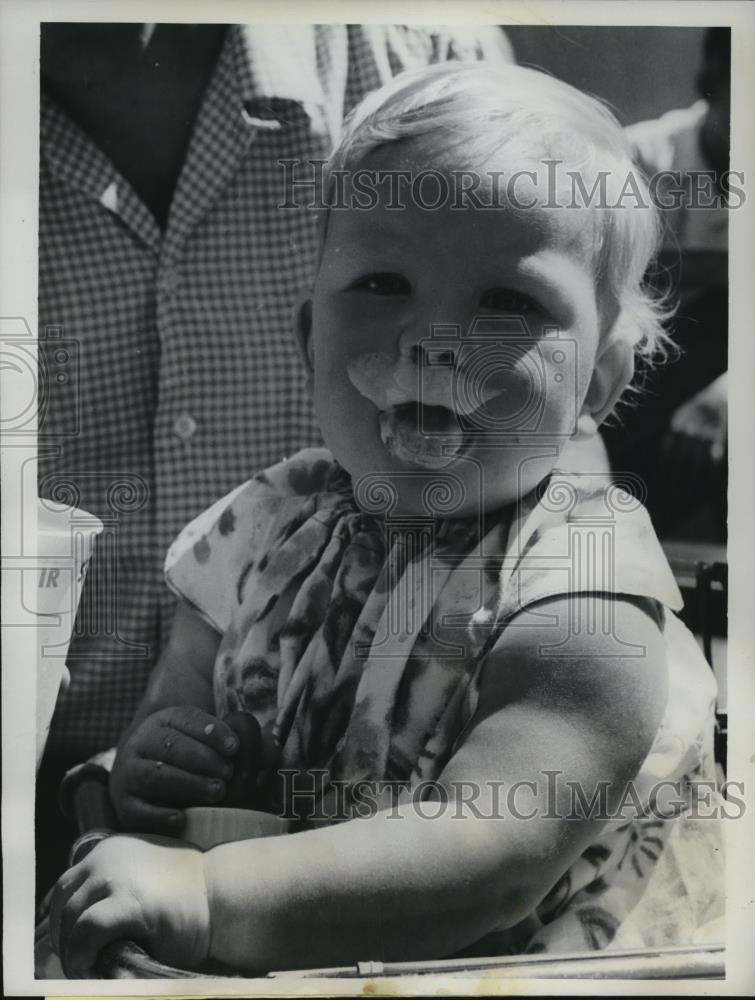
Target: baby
x=453 y=666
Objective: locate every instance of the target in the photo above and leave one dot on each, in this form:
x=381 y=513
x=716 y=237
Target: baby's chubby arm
x=414 y=887
x=399 y=885
x=175 y=753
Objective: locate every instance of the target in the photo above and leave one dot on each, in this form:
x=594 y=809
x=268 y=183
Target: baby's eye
x=383 y=284
x=509 y=301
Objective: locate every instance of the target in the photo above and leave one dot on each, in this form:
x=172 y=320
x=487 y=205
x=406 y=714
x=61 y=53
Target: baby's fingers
x=113 y=918
x=140 y=816
x=66 y=887
x=87 y=895
x=174 y=747
x=205 y=728
x=166 y=785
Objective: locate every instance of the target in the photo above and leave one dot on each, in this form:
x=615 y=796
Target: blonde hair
x=477 y=111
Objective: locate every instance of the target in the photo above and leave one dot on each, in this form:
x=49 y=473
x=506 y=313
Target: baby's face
x=454 y=345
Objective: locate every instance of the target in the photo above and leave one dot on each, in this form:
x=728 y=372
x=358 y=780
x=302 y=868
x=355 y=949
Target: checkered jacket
x=169 y=369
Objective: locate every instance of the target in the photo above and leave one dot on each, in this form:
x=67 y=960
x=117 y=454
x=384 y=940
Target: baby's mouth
x=417 y=424
x=428 y=436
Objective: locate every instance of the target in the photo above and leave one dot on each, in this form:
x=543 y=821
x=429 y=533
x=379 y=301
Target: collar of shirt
x=77 y=161
x=272 y=75
x=284 y=70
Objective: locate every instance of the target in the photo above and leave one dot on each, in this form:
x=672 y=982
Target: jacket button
x=168 y=283
x=185 y=426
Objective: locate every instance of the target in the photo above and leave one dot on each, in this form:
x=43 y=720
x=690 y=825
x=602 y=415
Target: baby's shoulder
x=583 y=534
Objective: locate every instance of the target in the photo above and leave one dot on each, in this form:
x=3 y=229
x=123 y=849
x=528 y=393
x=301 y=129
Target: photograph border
x=19 y=109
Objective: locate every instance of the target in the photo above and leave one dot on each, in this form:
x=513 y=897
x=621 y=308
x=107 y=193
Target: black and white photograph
x=370 y=498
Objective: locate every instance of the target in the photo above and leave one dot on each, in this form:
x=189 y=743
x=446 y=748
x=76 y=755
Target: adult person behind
x=167 y=271
x=676 y=439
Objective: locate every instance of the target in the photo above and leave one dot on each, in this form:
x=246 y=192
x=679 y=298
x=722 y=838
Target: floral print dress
x=356 y=639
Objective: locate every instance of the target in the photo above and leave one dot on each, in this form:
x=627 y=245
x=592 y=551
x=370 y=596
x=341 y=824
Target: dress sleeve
x=209 y=562
x=583 y=535
x=202 y=562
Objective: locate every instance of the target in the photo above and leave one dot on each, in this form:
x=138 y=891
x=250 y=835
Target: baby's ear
x=614 y=368
x=303 y=335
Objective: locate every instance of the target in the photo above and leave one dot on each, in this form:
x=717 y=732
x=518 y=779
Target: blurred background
x=673 y=85
x=641 y=72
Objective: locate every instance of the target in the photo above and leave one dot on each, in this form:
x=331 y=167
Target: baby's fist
x=149 y=890
x=175 y=758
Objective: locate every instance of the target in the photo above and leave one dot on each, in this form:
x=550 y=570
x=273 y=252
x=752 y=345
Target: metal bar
x=669 y=963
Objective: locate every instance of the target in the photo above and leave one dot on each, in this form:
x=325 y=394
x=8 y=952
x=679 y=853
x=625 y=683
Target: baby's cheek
x=343 y=415
x=333 y=391
x=521 y=401
x=563 y=374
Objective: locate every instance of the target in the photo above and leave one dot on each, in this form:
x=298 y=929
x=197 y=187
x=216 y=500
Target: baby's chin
x=393 y=487
x=433 y=466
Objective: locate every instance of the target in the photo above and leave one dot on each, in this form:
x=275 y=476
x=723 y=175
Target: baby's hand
x=242 y=787
x=175 y=758
x=148 y=890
